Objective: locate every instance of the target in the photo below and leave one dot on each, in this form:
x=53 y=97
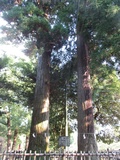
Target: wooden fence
x=109 y=155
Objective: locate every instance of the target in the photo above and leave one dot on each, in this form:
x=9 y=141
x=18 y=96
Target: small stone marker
x=64 y=141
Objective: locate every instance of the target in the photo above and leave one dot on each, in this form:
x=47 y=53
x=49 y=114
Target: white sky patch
x=13 y=51
x=2 y=21
x=9 y=49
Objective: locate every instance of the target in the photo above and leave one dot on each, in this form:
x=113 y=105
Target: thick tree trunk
x=86 y=138
x=39 y=134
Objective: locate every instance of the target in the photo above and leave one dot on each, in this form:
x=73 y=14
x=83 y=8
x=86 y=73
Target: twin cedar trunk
x=39 y=134
x=86 y=138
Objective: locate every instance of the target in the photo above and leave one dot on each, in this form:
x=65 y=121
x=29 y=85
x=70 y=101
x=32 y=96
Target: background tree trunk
x=14 y=139
x=86 y=138
x=8 y=134
x=39 y=134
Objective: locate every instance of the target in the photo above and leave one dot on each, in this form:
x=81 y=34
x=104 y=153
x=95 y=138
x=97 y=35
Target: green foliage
x=65 y=12
x=3 y=5
x=106 y=100
x=27 y=19
x=99 y=23
x=106 y=96
x=17 y=81
x=4 y=62
x=33 y=23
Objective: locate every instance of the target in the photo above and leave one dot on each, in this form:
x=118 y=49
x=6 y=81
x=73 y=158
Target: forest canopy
x=49 y=31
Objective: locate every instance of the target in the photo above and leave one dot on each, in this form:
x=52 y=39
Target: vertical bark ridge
x=39 y=135
x=86 y=138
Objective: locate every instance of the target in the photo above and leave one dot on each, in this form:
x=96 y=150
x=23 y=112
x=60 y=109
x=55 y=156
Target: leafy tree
x=16 y=87
x=106 y=102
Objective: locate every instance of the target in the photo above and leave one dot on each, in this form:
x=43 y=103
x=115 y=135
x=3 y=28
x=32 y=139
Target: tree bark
x=14 y=139
x=39 y=134
x=26 y=143
x=8 y=134
x=86 y=138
